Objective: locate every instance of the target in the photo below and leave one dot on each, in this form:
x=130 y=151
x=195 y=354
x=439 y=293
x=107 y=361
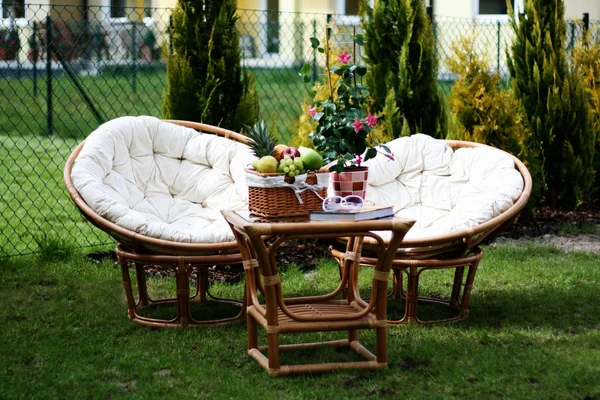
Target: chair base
x=459 y=299
x=370 y=363
x=182 y=267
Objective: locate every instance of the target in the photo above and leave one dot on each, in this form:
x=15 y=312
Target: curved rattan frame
x=137 y=249
x=145 y=244
x=457 y=251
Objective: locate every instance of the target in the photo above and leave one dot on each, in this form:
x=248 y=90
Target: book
x=367 y=212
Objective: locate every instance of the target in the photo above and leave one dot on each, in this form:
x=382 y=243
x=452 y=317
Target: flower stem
x=354 y=51
x=327 y=64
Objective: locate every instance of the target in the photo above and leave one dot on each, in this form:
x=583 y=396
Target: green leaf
x=305 y=69
x=321 y=50
x=359 y=39
x=361 y=70
x=314 y=42
x=318 y=116
x=371 y=153
x=336 y=70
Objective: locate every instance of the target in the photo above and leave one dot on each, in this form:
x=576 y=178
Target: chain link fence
x=66 y=69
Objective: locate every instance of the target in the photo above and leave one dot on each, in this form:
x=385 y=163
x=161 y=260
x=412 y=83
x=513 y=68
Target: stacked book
x=367 y=212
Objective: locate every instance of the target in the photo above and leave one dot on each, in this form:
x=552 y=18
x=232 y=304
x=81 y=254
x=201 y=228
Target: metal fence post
x=134 y=56
x=170 y=34
x=35 y=57
x=314 y=61
x=49 y=75
x=586 y=22
x=499 y=43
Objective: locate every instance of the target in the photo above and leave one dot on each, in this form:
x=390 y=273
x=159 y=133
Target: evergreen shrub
x=555 y=105
x=205 y=80
x=483 y=111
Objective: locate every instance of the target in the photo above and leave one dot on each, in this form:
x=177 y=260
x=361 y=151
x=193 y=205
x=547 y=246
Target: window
x=493 y=7
x=351 y=7
x=117 y=9
x=13 y=9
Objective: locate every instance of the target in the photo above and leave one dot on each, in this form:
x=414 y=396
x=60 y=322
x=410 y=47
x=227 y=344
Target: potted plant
x=343 y=125
x=9 y=44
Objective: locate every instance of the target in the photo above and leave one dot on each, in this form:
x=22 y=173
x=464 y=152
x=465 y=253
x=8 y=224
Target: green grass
x=35 y=206
x=587 y=227
x=532 y=333
x=34 y=201
x=119 y=92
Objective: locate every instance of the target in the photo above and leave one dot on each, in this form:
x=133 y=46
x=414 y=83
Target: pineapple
x=262 y=141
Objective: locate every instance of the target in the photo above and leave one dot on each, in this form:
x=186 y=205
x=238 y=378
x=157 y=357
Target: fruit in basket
x=292 y=152
x=310 y=158
x=291 y=167
x=278 y=150
x=262 y=141
x=265 y=165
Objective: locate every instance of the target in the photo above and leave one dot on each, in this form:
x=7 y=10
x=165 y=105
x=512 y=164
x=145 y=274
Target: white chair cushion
x=445 y=191
x=163 y=180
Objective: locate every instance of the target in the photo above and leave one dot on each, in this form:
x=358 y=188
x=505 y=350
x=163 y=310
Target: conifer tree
x=205 y=80
x=555 y=105
x=399 y=49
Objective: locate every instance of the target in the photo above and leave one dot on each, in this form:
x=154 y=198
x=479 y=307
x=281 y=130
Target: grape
x=298 y=163
x=292 y=174
x=286 y=170
x=289 y=161
x=292 y=167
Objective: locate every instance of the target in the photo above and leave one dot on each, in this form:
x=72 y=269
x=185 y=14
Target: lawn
x=532 y=333
x=120 y=92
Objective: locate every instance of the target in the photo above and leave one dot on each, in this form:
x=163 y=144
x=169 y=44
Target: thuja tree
x=205 y=80
x=586 y=60
x=399 y=49
x=554 y=103
x=482 y=110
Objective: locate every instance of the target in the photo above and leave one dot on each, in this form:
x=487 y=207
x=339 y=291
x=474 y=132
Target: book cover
x=368 y=212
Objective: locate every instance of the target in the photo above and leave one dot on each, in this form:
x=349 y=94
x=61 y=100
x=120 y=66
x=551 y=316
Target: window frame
x=21 y=22
x=518 y=7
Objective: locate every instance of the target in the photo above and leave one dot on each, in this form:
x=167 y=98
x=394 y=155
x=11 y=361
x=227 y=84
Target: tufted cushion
x=163 y=180
x=445 y=191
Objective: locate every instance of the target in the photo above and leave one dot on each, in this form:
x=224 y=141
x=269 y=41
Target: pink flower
x=371 y=120
x=358 y=160
x=358 y=125
x=311 y=111
x=344 y=57
x=390 y=156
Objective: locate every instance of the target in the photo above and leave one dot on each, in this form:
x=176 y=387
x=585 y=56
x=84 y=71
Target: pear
x=265 y=165
x=310 y=158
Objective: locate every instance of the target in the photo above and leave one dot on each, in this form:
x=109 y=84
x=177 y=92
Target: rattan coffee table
x=343 y=309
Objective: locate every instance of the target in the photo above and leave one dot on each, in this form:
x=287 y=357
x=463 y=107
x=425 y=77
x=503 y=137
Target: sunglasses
x=338 y=203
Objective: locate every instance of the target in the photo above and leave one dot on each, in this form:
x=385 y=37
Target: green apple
x=310 y=158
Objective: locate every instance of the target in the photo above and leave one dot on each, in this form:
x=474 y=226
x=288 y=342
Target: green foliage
x=204 y=75
x=483 y=110
x=342 y=131
x=555 y=105
x=263 y=141
x=586 y=60
x=399 y=49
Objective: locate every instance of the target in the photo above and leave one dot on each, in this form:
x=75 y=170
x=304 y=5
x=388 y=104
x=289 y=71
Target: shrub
x=555 y=105
x=399 y=49
x=483 y=111
x=205 y=80
x=586 y=60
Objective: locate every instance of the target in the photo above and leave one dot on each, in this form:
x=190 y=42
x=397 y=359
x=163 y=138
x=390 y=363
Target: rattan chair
x=329 y=312
x=458 y=251
x=141 y=247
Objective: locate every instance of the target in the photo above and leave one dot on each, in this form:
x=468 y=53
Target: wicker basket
x=272 y=202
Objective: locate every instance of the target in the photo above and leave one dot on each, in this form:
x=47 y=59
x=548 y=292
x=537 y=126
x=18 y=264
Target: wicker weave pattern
x=282 y=202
